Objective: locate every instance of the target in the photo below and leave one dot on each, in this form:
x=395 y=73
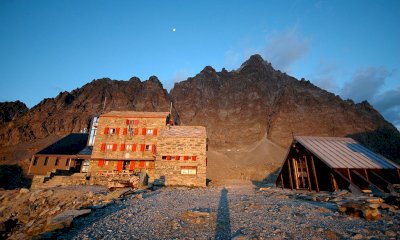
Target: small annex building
x=66 y=154
x=181 y=156
x=331 y=163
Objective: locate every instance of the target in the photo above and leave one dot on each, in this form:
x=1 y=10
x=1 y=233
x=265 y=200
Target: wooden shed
x=331 y=163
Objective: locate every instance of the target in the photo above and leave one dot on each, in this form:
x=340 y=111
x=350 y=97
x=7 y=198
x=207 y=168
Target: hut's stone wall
x=41 y=166
x=126 y=142
x=181 y=161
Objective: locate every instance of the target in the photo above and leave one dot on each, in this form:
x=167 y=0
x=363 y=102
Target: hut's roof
x=68 y=145
x=133 y=114
x=344 y=153
x=184 y=131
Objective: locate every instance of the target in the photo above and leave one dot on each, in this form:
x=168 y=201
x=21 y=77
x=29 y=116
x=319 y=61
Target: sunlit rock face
x=241 y=107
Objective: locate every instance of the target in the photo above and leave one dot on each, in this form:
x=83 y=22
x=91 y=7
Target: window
x=46 y=159
x=148 y=148
x=57 y=160
x=109 y=146
x=35 y=161
x=141 y=164
x=106 y=163
x=149 y=132
x=188 y=170
x=164 y=157
x=128 y=147
x=111 y=131
x=132 y=122
x=67 y=162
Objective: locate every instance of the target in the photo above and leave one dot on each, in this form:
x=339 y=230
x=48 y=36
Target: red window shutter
x=103 y=147
x=155 y=132
x=141 y=163
x=114 y=147
x=168 y=157
x=106 y=130
x=153 y=148
x=193 y=158
x=186 y=158
x=136 y=122
x=119 y=166
x=122 y=147
x=142 y=146
x=127 y=121
x=101 y=163
x=134 y=148
x=143 y=131
x=132 y=166
x=176 y=157
x=117 y=131
x=125 y=131
x=136 y=131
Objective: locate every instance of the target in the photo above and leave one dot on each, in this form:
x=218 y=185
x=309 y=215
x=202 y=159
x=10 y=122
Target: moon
x=174 y=29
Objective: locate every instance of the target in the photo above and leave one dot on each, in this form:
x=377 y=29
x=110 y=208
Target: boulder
x=64 y=219
x=24 y=190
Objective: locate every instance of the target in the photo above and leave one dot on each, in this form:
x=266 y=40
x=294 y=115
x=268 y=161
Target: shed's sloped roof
x=184 y=131
x=68 y=145
x=133 y=114
x=344 y=153
x=86 y=151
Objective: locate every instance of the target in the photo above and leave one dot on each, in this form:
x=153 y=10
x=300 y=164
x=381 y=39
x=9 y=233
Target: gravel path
x=233 y=210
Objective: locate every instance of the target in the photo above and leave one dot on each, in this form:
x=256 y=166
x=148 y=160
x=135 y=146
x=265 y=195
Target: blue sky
x=351 y=48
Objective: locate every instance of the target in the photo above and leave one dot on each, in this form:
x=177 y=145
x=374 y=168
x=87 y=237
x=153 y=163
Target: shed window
x=45 y=161
x=186 y=170
x=35 y=161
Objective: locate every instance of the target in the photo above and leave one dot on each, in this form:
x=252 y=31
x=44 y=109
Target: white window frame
x=128 y=147
x=111 y=131
x=187 y=170
x=149 y=132
x=109 y=146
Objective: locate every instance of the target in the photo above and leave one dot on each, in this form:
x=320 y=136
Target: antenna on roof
x=104 y=105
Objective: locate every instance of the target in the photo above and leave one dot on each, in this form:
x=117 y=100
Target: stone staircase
x=53 y=180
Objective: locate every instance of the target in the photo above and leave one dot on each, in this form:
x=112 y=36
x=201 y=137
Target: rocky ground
x=25 y=214
x=236 y=210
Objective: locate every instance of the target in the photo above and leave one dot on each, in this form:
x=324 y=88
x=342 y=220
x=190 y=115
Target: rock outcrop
x=11 y=110
x=72 y=111
x=240 y=107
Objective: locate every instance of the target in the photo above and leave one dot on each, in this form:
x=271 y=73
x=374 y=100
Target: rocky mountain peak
x=255 y=62
x=11 y=110
x=208 y=70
